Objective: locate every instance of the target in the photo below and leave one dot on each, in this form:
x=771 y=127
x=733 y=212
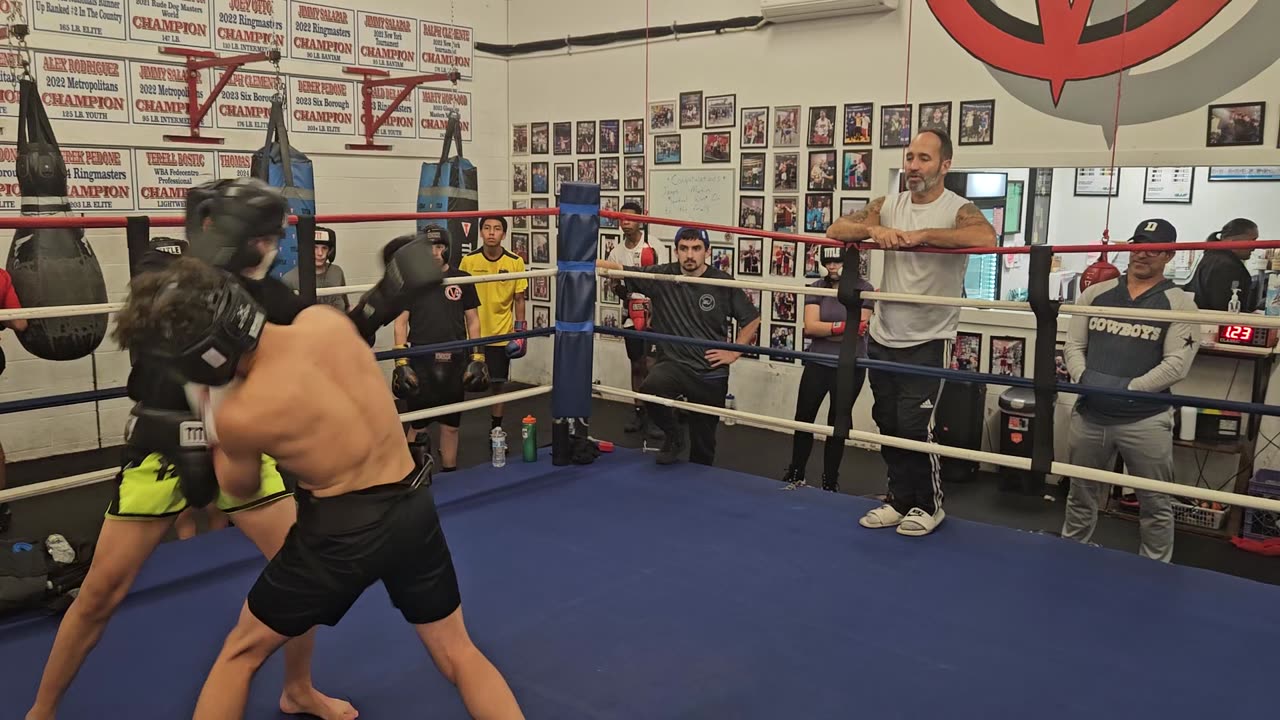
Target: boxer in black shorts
x=444 y=314
x=365 y=512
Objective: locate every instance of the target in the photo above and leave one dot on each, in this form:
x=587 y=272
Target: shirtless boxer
x=365 y=513
x=158 y=482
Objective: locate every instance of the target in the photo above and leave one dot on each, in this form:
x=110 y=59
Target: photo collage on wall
x=799 y=168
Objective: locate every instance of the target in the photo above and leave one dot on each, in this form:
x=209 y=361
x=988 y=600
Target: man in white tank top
x=909 y=333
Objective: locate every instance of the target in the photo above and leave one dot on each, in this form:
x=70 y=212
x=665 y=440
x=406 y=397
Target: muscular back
x=323 y=407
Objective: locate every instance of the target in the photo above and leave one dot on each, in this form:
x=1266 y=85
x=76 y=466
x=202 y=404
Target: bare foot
x=312 y=702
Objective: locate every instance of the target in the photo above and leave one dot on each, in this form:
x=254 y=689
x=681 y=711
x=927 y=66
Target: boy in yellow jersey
x=501 y=303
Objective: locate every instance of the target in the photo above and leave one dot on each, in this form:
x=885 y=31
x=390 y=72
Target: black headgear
x=239 y=210
x=172 y=246
x=437 y=235
x=161 y=251
x=209 y=355
x=327 y=237
x=830 y=253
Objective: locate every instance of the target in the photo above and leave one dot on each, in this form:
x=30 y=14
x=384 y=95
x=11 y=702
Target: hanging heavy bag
x=451 y=185
x=279 y=164
x=51 y=266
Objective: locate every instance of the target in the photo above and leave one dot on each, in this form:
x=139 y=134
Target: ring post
x=572 y=370
x=1044 y=366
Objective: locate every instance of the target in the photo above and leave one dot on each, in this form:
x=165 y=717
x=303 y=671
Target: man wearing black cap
x=443 y=314
x=328 y=273
x=1129 y=354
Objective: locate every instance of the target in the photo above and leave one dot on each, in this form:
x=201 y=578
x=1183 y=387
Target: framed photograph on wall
x=540 y=138
x=786 y=126
x=540 y=248
x=610 y=130
x=936 y=116
x=786 y=172
x=520 y=222
x=755 y=127
x=817 y=212
x=610 y=174
x=1060 y=363
x=539 y=222
x=637 y=199
x=782 y=337
x=611 y=317
x=822 y=170
x=751 y=172
x=541 y=316
x=1097 y=182
x=849 y=206
x=607 y=295
x=538 y=177
x=856 y=174
x=966 y=352
x=691 y=109
x=721 y=259
x=519 y=178
x=564 y=174
x=634 y=174
x=666 y=149
x=586 y=137
x=609 y=202
x=716 y=147
x=1236 y=124
x=587 y=170
x=721 y=111
x=1007 y=356
x=563 y=138
x=782 y=259
x=785 y=212
x=520 y=246
x=662 y=116
x=1169 y=185
x=608 y=241
x=822 y=126
x=751 y=212
x=540 y=288
x=751 y=257
x=633 y=137
x=977 y=122
x=895 y=126
x=857 y=123
x=520 y=139
x=783 y=307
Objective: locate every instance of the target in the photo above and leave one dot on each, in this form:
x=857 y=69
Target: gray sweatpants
x=1146 y=446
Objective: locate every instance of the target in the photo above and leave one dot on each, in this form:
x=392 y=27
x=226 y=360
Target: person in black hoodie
x=1222 y=271
x=1128 y=354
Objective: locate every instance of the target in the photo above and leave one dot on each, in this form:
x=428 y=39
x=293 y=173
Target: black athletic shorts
x=638 y=348
x=341 y=545
x=439 y=383
x=499 y=364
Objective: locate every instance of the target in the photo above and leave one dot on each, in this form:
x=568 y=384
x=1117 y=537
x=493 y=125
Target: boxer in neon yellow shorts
x=149 y=489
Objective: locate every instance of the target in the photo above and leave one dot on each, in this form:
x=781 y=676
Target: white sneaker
x=882 y=517
x=918 y=522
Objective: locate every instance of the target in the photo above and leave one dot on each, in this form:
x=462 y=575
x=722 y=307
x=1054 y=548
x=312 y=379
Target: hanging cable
x=647 y=40
x=1115 y=127
x=906 y=90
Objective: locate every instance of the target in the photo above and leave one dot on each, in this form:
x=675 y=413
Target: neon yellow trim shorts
x=150 y=489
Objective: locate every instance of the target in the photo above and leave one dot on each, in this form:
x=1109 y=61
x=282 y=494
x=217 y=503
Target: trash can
x=1017 y=420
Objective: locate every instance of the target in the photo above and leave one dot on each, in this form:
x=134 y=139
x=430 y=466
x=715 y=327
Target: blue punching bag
x=452 y=185
x=51 y=266
x=279 y=164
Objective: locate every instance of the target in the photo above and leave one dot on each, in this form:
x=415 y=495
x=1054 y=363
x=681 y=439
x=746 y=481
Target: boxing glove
x=862 y=327
x=837 y=328
x=180 y=438
x=410 y=271
x=476 y=377
x=648 y=256
x=638 y=310
x=404 y=381
x=517 y=348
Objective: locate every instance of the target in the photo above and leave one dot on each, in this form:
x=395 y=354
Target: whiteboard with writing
x=705 y=195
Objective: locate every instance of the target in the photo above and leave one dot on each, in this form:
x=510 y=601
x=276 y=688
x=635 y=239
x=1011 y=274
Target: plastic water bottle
x=529 y=438
x=729 y=404
x=498 y=440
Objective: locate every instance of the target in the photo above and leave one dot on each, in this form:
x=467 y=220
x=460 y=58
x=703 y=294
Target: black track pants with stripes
x=904 y=407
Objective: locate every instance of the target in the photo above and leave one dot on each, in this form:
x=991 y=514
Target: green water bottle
x=529 y=434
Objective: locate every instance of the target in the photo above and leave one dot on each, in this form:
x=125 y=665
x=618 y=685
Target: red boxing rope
x=110 y=221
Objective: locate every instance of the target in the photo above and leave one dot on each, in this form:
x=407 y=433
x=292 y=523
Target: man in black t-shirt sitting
x=445 y=314
x=685 y=371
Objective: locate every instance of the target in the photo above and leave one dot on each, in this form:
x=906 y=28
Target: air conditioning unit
x=787 y=11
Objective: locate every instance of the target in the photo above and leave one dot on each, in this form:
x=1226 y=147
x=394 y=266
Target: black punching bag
x=51 y=266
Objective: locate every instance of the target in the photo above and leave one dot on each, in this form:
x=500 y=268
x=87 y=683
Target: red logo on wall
x=1064 y=46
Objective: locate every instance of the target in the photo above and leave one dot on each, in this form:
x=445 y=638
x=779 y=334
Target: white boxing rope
x=1203 y=317
x=1011 y=461
x=468 y=280
x=97 y=476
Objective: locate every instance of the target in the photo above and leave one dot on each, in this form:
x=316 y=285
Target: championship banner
x=322 y=33
x=100 y=178
x=74 y=87
x=91 y=18
x=402 y=123
x=245 y=101
x=234 y=164
x=9 y=83
x=387 y=41
x=445 y=47
x=248 y=26
x=165 y=176
x=170 y=22
x=10 y=192
x=434 y=105
x=160 y=94
x=323 y=107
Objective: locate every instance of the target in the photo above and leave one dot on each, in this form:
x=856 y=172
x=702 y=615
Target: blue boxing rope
x=420 y=350
x=959 y=375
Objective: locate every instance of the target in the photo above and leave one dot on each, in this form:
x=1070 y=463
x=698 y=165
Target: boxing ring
x=622 y=589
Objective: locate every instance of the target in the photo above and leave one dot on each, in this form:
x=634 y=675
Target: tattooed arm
x=972 y=230
x=858 y=225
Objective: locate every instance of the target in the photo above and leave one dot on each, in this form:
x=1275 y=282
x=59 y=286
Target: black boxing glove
x=476 y=377
x=178 y=436
x=410 y=271
x=404 y=381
